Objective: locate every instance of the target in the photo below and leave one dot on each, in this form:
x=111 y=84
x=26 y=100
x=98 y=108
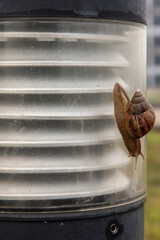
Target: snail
x=134 y=118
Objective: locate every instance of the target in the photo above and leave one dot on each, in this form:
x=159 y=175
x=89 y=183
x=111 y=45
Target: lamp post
x=64 y=170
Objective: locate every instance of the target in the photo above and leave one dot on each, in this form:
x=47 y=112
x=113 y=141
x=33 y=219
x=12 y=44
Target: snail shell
x=140 y=116
x=134 y=118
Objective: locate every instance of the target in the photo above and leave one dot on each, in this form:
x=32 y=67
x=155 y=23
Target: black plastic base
x=123 y=226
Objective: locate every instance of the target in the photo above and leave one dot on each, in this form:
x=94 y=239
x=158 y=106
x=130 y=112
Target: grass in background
x=152 y=206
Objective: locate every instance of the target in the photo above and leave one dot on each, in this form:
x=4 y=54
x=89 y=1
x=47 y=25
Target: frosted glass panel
x=59 y=143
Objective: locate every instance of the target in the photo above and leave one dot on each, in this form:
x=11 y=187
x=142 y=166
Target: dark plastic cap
x=128 y=10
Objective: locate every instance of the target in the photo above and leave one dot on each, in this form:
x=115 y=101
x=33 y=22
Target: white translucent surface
x=56 y=106
x=63 y=160
x=59 y=54
x=57 y=80
x=62 y=186
x=58 y=136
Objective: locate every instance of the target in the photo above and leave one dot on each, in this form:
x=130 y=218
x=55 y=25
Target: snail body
x=134 y=118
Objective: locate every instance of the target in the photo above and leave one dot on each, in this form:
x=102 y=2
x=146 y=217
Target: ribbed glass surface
x=59 y=143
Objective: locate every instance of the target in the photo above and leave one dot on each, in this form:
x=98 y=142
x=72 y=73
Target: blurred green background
x=152 y=205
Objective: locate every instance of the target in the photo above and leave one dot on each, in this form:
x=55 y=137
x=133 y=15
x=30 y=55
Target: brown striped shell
x=140 y=116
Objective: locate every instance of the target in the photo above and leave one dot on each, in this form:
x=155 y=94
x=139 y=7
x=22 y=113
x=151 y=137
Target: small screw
x=114 y=228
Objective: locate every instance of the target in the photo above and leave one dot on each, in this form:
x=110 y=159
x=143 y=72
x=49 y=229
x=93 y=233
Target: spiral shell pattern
x=140 y=116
